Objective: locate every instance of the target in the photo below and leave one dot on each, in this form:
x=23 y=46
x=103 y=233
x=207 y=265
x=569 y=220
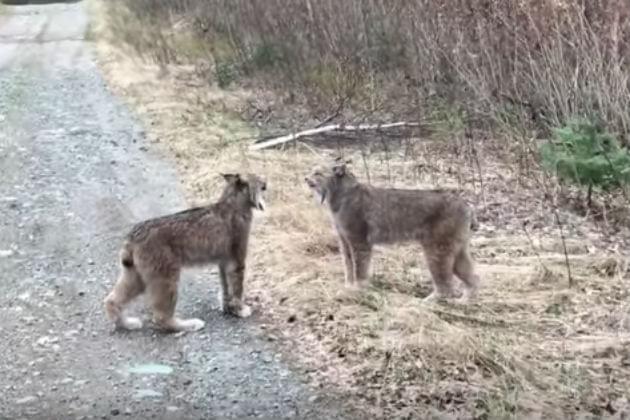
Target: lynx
x=156 y=250
x=364 y=216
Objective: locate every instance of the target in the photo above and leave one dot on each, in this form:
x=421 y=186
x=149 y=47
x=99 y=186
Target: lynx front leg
x=224 y=293
x=348 y=261
x=235 y=275
x=362 y=259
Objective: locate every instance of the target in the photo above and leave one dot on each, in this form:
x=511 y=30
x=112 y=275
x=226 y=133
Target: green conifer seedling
x=585 y=154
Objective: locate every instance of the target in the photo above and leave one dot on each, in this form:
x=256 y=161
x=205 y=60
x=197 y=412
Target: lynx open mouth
x=309 y=182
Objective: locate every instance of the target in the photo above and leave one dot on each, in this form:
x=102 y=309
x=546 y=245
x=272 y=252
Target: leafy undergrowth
x=530 y=346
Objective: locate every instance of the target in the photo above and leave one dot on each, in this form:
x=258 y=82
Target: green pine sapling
x=585 y=154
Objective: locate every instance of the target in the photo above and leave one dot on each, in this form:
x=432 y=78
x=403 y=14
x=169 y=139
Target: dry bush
x=529 y=64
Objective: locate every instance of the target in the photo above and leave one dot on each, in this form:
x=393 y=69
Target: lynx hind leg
x=464 y=268
x=235 y=276
x=440 y=264
x=128 y=287
x=163 y=296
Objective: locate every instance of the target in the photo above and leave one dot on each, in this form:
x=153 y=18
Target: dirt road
x=74 y=174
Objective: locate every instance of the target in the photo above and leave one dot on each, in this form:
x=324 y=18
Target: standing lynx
x=364 y=216
x=156 y=250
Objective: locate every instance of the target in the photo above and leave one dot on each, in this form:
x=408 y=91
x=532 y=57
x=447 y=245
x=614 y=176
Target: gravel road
x=75 y=172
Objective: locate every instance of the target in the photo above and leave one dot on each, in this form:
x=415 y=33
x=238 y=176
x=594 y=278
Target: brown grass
x=530 y=347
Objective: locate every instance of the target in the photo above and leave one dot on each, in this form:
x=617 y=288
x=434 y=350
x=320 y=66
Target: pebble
x=26 y=400
x=4 y=253
x=45 y=340
x=147 y=393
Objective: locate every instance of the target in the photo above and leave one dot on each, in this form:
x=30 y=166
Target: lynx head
x=248 y=191
x=325 y=181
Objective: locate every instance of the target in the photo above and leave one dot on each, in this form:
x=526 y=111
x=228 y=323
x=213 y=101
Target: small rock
x=45 y=340
x=26 y=400
x=172 y=408
x=115 y=412
x=75 y=131
x=147 y=393
x=4 y=253
x=71 y=333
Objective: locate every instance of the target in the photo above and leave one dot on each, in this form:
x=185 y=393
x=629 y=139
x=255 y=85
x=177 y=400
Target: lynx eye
x=264 y=187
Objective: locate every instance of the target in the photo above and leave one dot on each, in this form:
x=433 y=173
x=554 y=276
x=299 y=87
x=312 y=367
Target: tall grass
x=530 y=64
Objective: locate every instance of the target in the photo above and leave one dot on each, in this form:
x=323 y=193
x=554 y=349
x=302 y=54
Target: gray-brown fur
x=364 y=216
x=156 y=250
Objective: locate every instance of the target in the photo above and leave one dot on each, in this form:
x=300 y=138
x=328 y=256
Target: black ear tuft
x=232 y=178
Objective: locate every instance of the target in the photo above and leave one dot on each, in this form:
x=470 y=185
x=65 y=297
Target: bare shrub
x=534 y=63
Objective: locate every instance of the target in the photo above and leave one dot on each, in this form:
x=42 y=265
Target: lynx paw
x=466 y=298
x=357 y=285
x=435 y=297
x=192 y=324
x=129 y=323
x=243 y=312
x=432 y=297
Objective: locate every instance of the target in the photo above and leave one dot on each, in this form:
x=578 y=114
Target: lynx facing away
x=156 y=250
x=364 y=216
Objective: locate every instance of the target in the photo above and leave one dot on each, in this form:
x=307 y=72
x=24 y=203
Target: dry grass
x=529 y=347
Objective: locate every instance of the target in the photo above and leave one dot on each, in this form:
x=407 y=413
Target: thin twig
x=564 y=245
x=334 y=114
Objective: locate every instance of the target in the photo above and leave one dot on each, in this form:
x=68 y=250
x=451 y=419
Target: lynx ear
x=232 y=178
x=339 y=169
x=339 y=160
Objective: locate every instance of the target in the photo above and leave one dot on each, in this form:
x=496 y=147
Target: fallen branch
x=333 y=127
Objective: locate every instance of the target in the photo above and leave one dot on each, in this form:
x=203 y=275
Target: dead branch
x=332 y=127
